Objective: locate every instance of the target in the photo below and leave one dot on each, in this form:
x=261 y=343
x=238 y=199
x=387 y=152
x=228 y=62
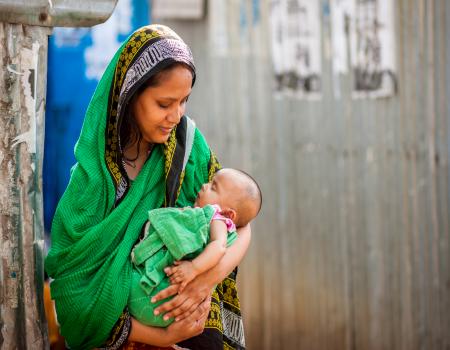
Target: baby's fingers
x=179 y=273
x=170 y=270
x=176 y=279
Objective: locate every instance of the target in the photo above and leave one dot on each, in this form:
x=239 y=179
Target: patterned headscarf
x=148 y=51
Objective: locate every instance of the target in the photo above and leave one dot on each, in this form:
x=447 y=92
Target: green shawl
x=100 y=215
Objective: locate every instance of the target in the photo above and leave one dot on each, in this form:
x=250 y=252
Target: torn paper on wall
x=341 y=13
x=296 y=47
x=372 y=48
x=365 y=30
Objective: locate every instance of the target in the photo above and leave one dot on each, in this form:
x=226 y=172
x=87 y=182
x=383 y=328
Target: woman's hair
x=129 y=131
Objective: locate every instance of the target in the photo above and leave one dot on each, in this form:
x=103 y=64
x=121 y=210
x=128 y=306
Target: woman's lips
x=165 y=130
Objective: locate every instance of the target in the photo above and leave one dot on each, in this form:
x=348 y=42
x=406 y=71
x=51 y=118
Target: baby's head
x=236 y=192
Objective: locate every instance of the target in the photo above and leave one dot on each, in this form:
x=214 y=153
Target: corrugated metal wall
x=351 y=250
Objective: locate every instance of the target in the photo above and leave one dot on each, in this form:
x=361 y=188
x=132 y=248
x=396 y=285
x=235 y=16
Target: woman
x=137 y=151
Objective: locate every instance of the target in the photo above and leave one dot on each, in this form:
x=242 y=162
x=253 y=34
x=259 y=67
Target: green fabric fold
x=183 y=231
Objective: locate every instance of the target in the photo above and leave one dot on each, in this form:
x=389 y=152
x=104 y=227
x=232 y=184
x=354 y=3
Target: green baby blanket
x=171 y=234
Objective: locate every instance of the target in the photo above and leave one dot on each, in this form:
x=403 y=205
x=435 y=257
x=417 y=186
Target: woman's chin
x=159 y=139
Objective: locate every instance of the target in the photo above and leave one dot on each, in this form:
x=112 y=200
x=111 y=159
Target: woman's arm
x=201 y=287
x=176 y=332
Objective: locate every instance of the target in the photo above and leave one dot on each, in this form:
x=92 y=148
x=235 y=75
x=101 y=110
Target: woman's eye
x=162 y=105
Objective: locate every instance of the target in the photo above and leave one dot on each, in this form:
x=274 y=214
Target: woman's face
x=158 y=109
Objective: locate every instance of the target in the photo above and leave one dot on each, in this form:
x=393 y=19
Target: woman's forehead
x=173 y=84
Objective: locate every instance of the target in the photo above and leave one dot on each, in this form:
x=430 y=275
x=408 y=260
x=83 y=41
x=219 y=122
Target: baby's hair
x=249 y=202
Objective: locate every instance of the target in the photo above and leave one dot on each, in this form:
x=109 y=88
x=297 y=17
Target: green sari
x=101 y=214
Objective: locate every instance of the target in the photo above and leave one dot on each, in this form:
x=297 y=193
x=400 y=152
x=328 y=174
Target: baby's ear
x=229 y=213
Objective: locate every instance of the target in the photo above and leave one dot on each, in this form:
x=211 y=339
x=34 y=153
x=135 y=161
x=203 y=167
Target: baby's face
x=217 y=191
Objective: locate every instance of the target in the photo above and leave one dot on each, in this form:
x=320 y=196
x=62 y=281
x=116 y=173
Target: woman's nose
x=176 y=115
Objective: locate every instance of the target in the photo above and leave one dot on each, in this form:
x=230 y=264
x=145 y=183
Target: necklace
x=132 y=162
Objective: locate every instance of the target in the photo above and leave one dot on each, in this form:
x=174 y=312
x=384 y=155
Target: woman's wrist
x=168 y=338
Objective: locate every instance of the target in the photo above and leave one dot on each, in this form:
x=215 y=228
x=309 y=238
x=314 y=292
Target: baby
x=197 y=235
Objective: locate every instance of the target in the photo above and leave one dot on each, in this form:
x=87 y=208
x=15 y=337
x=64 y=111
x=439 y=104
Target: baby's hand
x=181 y=272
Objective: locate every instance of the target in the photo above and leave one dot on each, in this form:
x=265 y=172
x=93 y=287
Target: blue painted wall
x=76 y=59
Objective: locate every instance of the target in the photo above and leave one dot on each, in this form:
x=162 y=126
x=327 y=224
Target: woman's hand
x=192 y=325
x=164 y=337
x=185 y=303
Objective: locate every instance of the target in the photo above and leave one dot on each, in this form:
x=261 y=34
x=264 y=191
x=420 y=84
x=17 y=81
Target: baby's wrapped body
x=171 y=234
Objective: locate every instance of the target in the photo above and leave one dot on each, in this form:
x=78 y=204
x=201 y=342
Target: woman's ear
x=229 y=213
